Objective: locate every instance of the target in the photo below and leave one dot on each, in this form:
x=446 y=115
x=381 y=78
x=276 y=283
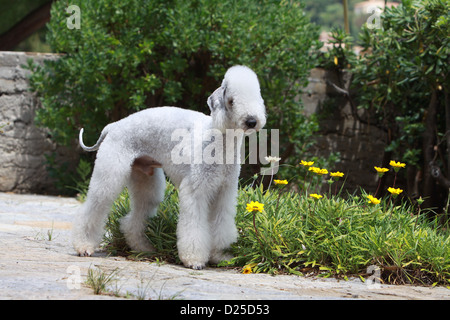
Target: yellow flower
x=373 y=200
x=247 y=270
x=394 y=191
x=280 y=181
x=381 y=170
x=306 y=163
x=397 y=165
x=336 y=60
x=315 y=196
x=318 y=170
x=255 y=206
x=336 y=174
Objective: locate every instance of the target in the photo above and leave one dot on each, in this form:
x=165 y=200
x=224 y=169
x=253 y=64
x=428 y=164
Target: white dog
x=136 y=152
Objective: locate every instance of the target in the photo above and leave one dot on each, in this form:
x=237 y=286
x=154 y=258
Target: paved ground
x=38 y=262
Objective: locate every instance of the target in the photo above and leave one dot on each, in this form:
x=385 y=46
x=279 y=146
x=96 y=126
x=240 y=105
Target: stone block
x=9 y=58
x=7 y=86
x=8 y=73
x=23 y=146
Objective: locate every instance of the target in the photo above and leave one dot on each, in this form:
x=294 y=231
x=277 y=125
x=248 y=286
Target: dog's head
x=237 y=103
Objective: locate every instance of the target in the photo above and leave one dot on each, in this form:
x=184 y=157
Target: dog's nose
x=251 y=122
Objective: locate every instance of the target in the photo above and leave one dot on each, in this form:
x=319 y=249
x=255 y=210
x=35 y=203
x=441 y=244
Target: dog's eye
x=230 y=101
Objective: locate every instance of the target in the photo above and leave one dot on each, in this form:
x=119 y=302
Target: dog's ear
x=216 y=99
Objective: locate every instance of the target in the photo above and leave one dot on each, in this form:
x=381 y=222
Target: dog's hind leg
x=146 y=188
x=106 y=184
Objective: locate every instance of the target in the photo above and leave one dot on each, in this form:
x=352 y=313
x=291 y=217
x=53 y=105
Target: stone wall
x=23 y=146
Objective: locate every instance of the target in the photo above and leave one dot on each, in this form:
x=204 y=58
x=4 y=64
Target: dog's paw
x=84 y=251
x=194 y=260
x=196 y=266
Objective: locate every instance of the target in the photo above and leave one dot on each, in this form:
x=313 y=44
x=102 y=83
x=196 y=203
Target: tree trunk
x=429 y=143
x=447 y=127
x=25 y=27
x=346 y=21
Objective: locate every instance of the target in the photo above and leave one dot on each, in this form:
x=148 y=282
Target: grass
x=329 y=236
x=98 y=280
x=107 y=283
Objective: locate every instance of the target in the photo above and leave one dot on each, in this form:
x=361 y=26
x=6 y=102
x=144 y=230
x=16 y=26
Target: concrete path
x=37 y=262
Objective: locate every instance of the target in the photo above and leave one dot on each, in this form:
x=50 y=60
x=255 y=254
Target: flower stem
x=256 y=229
x=417 y=218
x=379 y=183
x=278 y=200
x=395 y=178
x=307 y=183
x=271 y=177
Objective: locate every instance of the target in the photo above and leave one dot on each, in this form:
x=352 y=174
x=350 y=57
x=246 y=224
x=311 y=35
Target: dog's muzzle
x=251 y=122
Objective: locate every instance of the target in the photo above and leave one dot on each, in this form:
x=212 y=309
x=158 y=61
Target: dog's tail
x=96 y=145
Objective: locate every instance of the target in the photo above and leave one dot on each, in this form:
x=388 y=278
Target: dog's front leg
x=222 y=224
x=193 y=235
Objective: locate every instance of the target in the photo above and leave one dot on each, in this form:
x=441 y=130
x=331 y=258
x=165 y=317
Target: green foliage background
x=130 y=55
x=407 y=60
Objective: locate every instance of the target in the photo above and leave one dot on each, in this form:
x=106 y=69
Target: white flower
x=272 y=159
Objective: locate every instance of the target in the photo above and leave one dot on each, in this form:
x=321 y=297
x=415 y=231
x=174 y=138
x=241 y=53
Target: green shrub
x=130 y=55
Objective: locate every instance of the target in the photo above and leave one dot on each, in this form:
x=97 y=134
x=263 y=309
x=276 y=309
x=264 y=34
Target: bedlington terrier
x=200 y=154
